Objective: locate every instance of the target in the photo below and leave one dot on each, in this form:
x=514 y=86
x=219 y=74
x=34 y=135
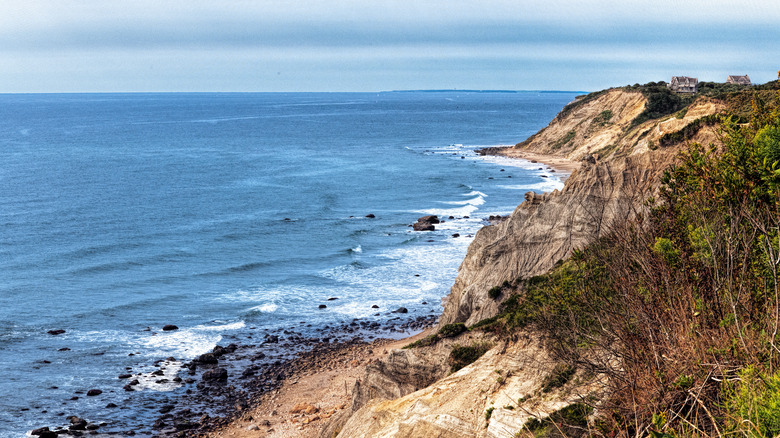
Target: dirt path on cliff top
x=304 y=401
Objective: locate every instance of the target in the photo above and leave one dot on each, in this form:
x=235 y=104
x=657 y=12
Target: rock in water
x=169 y=327
x=426 y=223
x=421 y=226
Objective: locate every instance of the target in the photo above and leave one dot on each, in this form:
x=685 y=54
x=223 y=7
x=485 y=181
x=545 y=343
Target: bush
x=753 y=404
x=603 y=118
x=569 y=421
x=494 y=292
x=452 y=330
x=561 y=142
x=560 y=375
x=424 y=342
x=461 y=356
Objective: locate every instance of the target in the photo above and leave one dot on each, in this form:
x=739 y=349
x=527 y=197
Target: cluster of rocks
x=221 y=384
x=492 y=220
x=78 y=427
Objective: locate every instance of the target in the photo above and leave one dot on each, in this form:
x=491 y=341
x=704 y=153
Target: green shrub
x=561 y=142
x=660 y=102
x=494 y=292
x=665 y=249
x=487 y=324
x=452 y=330
x=560 y=375
x=424 y=342
x=603 y=118
x=571 y=421
x=489 y=413
x=461 y=356
x=753 y=403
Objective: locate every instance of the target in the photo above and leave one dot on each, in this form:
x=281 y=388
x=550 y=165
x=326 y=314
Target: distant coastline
x=455 y=90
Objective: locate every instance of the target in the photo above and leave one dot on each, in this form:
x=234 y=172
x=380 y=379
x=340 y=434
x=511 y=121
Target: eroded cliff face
x=620 y=167
x=507 y=381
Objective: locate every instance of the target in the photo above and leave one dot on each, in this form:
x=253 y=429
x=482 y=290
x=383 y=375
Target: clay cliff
x=409 y=393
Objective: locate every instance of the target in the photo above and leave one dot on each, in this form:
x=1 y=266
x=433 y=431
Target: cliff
x=409 y=394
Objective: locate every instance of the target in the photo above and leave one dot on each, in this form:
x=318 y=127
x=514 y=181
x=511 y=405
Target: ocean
x=231 y=216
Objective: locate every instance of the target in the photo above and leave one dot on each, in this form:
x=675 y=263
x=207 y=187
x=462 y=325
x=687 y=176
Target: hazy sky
x=372 y=45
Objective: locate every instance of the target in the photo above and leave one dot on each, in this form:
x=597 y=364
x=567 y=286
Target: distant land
x=454 y=90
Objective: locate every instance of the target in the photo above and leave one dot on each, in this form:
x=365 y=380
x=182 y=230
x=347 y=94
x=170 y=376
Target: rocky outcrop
x=402 y=372
x=545 y=229
x=507 y=382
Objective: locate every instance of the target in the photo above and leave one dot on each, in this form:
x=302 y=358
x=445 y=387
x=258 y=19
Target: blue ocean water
x=225 y=213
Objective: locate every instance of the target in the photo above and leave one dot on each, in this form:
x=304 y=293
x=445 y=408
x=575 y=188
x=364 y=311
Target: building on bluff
x=739 y=80
x=683 y=84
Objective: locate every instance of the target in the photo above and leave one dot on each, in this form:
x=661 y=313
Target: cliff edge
x=621 y=163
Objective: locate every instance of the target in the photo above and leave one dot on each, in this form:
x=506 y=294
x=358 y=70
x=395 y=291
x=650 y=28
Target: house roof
x=684 y=80
x=736 y=79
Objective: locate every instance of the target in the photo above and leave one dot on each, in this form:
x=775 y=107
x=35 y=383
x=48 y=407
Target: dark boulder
x=169 y=327
x=426 y=223
x=40 y=431
x=186 y=425
x=423 y=226
x=216 y=375
x=77 y=423
x=94 y=392
x=370 y=216
x=401 y=310
x=56 y=332
x=206 y=359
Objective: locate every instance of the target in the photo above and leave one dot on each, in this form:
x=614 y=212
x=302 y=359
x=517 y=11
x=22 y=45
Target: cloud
x=348 y=44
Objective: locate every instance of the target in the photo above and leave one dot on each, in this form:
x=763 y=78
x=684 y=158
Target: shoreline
x=322 y=387
x=561 y=165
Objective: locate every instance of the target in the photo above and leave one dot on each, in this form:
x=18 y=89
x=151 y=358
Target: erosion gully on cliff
x=412 y=392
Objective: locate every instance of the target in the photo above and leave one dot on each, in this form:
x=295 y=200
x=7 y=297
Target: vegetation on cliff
x=680 y=308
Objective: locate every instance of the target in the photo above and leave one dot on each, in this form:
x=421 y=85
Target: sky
x=380 y=45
